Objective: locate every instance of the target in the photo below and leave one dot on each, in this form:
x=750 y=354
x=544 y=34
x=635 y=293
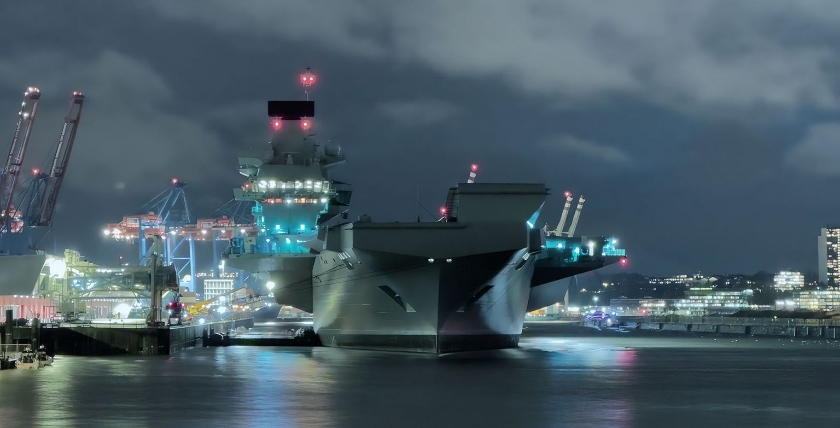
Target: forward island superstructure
x=289 y=183
x=462 y=282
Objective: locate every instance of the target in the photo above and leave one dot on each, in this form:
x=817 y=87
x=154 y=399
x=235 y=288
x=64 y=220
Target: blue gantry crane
x=168 y=216
x=239 y=213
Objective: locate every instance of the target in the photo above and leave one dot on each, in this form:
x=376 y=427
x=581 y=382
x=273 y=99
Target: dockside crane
x=58 y=169
x=168 y=216
x=14 y=162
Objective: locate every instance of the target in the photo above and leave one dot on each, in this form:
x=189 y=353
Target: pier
x=117 y=339
x=780 y=327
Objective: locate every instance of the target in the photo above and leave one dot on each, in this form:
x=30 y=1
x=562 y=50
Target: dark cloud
x=701 y=133
x=422 y=112
x=671 y=52
x=568 y=144
x=818 y=152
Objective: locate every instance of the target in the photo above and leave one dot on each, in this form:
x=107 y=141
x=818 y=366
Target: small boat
x=27 y=360
x=42 y=357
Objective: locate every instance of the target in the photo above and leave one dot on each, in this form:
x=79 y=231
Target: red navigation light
x=474 y=167
x=307 y=79
x=276 y=124
x=443 y=211
x=305 y=124
x=623 y=261
x=35 y=171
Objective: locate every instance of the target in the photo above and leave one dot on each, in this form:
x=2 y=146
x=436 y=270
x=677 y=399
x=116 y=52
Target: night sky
x=703 y=134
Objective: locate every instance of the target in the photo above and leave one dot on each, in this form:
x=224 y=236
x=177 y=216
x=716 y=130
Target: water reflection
x=579 y=382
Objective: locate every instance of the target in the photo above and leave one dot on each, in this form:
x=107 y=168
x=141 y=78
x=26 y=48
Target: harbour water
x=553 y=380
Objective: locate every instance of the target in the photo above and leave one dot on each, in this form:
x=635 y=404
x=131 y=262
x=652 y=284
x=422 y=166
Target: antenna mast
x=473 y=170
x=307 y=79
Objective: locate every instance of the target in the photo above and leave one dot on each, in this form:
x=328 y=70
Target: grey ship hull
x=399 y=302
x=291 y=272
x=459 y=285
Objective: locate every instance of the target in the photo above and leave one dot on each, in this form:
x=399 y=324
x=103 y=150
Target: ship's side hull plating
x=371 y=299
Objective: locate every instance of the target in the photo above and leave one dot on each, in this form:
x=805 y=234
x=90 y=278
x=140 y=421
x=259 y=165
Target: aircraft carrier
x=462 y=282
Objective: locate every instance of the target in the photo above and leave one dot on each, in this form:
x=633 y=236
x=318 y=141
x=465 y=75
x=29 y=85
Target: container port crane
x=44 y=214
x=35 y=207
x=165 y=215
x=168 y=216
x=14 y=162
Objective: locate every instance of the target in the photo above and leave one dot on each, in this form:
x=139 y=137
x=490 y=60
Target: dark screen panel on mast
x=291 y=110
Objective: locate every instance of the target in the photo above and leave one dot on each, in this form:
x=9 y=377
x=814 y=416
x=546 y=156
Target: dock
x=305 y=338
x=771 y=327
x=92 y=339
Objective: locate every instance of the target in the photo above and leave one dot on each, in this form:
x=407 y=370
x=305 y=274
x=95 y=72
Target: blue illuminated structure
x=167 y=215
x=293 y=196
x=239 y=213
x=584 y=248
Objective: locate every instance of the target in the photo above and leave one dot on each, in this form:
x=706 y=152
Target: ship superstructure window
x=270 y=186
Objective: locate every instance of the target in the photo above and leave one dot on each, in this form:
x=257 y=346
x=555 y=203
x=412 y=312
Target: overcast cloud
x=687 y=125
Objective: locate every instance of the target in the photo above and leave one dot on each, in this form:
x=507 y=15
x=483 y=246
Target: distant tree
x=764 y=296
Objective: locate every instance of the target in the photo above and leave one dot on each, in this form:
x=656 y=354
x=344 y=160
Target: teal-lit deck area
x=584 y=248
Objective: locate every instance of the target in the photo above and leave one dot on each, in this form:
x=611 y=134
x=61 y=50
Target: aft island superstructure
x=463 y=282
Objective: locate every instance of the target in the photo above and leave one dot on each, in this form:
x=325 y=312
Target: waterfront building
x=818 y=300
x=788 y=281
x=217 y=286
x=698 y=301
x=828 y=252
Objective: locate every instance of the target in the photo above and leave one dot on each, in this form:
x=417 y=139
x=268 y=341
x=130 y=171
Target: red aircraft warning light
x=305 y=124
x=174 y=181
x=567 y=194
x=443 y=211
x=35 y=171
x=474 y=167
x=276 y=124
x=307 y=78
x=623 y=261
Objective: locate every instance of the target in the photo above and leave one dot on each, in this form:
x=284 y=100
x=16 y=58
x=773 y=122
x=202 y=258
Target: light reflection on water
x=548 y=382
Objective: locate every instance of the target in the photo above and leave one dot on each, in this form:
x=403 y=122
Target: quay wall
x=816 y=331
x=119 y=339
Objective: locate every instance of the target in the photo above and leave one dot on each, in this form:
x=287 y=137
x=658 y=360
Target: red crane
x=43 y=217
x=11 y=170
